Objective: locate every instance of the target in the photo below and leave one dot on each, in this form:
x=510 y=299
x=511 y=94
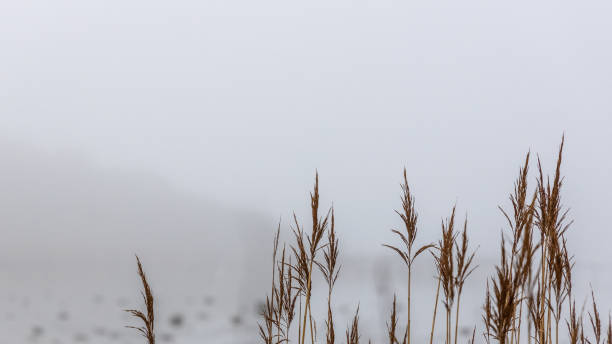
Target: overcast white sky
x=240 y=101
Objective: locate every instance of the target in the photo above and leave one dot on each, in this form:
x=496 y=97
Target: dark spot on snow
x=177 y=320
x=202 y=316
x=209 y=300
x=63 y=315
x=99 y=331
x=260 y=307
x=166 y=337
x=80 y=337
x=236 y=320
x=98 y=299
x=37 y=331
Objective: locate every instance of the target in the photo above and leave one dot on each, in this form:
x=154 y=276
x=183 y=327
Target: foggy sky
x=239 y=102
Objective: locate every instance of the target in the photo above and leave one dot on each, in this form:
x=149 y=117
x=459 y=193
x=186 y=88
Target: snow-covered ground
x=198 y=306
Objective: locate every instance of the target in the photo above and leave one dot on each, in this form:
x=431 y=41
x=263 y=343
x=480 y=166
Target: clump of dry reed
x=454 y=266
x=148 y=319
x=550 y=219
x=279 y=308
x=531 y=286
x=537 y=274
x=503 y=308
x=295 y=278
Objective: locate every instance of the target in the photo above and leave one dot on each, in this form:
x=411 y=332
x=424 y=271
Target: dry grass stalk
x=286 y=298
x=550 y=219
x=279 y=310
x=537 y=315
x=435 y=312
x=330 y=273
x=392 y=324
x=352 y=333
x=574 y=324
x=500 y=306
x=445 y=265
x=595 y=321
x=609 y=330
x=464 y=270
x=409 y=217
x=560 y=265
x=520 y=221
x=270 y=312
x=306 y=255
x=473 y=336
x=148 y=329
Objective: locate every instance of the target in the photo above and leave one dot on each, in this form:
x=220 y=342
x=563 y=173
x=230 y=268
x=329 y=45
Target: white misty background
x=184 y=131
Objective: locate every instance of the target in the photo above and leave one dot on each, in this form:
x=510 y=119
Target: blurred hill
x=65 y=220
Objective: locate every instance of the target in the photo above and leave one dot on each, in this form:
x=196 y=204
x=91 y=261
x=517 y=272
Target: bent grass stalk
x=148 y=318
